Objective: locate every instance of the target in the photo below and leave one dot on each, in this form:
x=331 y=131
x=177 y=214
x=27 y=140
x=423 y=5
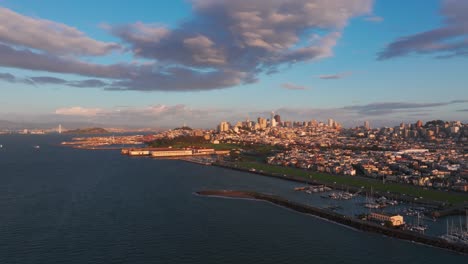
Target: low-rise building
x=393 y=220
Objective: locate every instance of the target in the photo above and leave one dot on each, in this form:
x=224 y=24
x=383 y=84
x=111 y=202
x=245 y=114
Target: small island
x=83 y=131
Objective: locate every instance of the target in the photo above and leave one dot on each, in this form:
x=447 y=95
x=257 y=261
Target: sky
x=198 y=62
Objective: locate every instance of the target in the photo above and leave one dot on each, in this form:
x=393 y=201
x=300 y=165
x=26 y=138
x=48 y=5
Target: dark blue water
x=61 y=205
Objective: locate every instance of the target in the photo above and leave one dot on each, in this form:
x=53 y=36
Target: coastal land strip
x=339 y=218
x=447 y=202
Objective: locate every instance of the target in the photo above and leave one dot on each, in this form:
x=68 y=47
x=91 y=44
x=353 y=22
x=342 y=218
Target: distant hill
x=19 y=125
x=93 y=130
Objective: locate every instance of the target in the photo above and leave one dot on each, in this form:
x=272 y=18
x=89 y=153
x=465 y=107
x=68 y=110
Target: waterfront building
x=393 y=220
x=172 y=153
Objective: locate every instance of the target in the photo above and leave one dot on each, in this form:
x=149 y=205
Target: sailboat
x=370 y=202
x=419 y=226
x=457 y=235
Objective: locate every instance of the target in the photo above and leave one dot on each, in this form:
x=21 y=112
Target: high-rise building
x=262 y=122
x=331 y=122
x=223 y=126
x=277 y=118
x=419 y=124
x=272 y=120
x=367 y=125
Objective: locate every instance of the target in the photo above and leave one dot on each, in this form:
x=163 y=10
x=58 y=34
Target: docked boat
x=457 y=235
x=418 y=227
x=372 y=205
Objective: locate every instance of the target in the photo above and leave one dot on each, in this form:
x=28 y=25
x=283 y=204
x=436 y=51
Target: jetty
x=339 y=218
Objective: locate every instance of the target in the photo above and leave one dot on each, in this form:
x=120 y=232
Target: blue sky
x=203 y=61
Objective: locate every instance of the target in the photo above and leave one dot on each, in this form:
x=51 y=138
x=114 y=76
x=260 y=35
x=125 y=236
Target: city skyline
x=164 y=64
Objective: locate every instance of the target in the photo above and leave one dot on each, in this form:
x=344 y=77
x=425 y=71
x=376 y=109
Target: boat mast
x=447 y=227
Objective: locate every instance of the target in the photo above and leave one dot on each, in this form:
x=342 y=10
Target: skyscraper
x=272 y=120
x=367 y=125
x=419 y=124
x=277 y=119
x=262 y=122
x=223 y=126
x=331 y=122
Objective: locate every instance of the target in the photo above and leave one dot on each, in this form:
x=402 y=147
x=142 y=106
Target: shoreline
x=394 y=196
x=338 y=218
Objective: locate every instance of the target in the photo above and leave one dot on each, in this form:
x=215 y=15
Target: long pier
x=341 y=219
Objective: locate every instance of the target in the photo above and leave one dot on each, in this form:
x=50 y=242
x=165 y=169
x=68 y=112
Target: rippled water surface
x=60 y=205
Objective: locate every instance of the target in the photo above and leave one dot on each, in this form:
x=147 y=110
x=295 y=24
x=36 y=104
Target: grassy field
x=429 y=194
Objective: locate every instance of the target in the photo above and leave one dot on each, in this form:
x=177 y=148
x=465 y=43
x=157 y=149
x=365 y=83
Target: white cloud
x=223 y=44
x=49 y=36
x=79 y=111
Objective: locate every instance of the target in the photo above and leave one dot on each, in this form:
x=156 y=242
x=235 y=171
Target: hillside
x=93 y=130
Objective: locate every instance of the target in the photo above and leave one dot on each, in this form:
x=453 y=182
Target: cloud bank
x=48 y=36
x=380 y=113
x=224 y=44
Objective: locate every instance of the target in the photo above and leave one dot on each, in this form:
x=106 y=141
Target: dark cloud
x=7 y=77
x=458 y=101
x=334 y=76
x=292 y=86
x=447 y=41
x=92 y=83
x=384 y=108
x=47 y=80
x=463 y=110
x=142 y=77
x=26 y=59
